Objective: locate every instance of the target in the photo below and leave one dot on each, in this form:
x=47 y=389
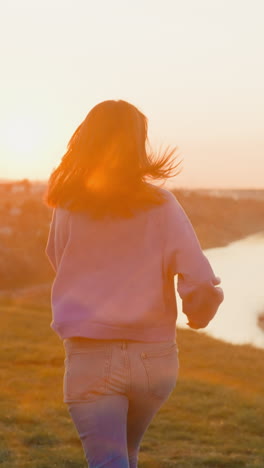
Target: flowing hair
x=104 y=169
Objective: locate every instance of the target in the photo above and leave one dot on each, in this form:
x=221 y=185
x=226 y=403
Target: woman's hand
x=193 y=325
x=202 y=303
x=216 y=280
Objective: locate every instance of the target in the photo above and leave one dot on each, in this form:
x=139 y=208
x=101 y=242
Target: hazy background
x=195 y=68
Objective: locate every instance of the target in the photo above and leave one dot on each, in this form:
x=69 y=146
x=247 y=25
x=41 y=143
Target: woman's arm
x=201 y=304
x=197 y=283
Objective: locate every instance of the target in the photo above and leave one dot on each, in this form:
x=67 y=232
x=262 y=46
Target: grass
x=214 y=418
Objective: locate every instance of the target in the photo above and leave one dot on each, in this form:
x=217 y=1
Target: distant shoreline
x=218 y=217
x=214 y=191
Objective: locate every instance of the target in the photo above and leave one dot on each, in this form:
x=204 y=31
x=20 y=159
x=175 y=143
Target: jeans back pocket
x=162 y=370
x=85 y=375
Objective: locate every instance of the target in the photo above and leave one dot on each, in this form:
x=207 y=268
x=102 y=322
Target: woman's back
x=115 y=277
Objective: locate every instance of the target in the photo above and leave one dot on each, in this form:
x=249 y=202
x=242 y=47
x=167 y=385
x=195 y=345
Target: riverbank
x=214 y=418
x=222 y=219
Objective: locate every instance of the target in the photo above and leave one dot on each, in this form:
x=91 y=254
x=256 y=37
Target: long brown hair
x=104 y=168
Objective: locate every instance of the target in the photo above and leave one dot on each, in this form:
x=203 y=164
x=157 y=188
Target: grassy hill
x=214 y=418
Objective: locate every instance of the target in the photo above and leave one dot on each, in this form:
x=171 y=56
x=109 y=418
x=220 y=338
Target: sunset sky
x=194 y=67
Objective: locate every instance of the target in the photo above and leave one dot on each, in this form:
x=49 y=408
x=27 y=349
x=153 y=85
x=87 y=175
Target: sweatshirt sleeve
x=57 y=237
x=196 y=279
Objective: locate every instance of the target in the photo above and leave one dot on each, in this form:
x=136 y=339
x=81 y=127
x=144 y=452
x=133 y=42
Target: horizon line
x=241 y=188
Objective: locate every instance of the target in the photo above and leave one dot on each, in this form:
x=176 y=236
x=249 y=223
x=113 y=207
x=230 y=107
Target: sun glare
x=21 y=143
x=22 y=135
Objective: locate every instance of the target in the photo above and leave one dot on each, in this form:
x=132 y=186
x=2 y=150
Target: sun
x=21 y=136
x=22 y=139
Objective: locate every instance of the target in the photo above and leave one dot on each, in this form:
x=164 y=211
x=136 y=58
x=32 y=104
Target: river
x=240 y=265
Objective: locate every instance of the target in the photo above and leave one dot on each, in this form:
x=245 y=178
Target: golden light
x=22 y=135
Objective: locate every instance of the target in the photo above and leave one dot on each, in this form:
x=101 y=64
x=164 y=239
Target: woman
x=116 y=242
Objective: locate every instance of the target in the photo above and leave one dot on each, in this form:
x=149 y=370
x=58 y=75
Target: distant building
x=21 y=186
x=15 y=211
x=38 y=187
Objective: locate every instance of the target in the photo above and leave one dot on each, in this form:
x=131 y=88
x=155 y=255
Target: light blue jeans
x=113 y=389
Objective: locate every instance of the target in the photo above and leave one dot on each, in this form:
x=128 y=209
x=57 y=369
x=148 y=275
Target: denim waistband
x=83 y=342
